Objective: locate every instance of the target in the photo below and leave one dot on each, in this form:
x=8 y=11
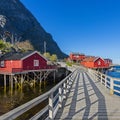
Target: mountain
x=18 y=24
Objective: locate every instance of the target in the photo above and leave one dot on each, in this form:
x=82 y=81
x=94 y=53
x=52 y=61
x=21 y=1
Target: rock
x=18 y=23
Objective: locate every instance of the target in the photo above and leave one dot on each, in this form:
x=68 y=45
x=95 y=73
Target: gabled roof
x=91 y=59
x=77 y=54
x=18 y=55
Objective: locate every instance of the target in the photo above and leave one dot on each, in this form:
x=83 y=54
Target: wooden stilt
x=54 y=76
x=34 y=81
x=16 y=82
x=40 y=82
x=44 y=80
x=19 y=78
x=4 y=84
x=9 y=81
x=11 y=84
x=21 y=81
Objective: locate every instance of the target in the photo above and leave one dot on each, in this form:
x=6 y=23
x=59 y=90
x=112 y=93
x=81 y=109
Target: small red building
x=76 y=57
x=22 y=61
x=108 y=61
x=94 y=62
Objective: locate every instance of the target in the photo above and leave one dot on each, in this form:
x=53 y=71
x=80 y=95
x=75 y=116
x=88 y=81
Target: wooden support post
x=44 y=80
x=21 y=81
x=51 y=110
x=101 y=78
x=111 y=87
x=40 y=78
x=5 y=84
x=67 y=87
x=27 y=77
x=70 y=82
x=16 y=82
x=11 y=77
x=60 y=96
x=34 y=81
x=105 y=81
x=54 y=76
x=64 y=90
x=71 y=78
x=11 y=83
x=40 y=82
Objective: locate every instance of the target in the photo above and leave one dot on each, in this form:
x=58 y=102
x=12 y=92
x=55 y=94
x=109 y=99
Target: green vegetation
x=52 y=57
x=47 y=55
x=68 y=63
x=24 y=46
x=5 y=46
x=21 y=46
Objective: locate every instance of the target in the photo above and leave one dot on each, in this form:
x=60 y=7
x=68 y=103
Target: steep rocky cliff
x=18 y=23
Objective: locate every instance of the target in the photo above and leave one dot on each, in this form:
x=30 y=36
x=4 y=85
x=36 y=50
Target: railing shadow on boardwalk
x=101 y=101
x=86 y=109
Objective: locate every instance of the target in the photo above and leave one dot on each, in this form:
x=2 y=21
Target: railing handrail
x=105 y=77
x=25 y=107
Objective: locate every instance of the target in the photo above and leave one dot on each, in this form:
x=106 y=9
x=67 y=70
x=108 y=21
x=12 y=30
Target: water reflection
x=18 y=94
x=12 y=98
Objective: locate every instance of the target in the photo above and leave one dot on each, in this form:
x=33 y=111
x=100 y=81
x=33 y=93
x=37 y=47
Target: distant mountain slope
x=24 y=26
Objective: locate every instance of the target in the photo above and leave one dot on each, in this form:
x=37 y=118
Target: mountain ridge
x=24 y=26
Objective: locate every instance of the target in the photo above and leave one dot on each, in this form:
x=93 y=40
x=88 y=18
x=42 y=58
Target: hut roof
x=17 y=55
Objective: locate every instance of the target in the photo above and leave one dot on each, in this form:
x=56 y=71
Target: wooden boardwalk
x=89 y=100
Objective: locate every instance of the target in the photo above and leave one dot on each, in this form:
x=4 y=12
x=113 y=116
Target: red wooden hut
x=108 y=61
x=94 y=62
x=76 y=57
x=19 y=62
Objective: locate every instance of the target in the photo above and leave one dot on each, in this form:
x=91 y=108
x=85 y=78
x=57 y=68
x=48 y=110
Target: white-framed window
x=99 y=62
x=36 y=63
x=2 y=64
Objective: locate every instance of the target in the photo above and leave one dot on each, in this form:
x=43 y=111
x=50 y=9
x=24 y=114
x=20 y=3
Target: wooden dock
x=85 y=94
x=89 y=100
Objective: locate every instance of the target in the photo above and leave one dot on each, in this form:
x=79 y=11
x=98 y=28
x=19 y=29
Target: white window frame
x=36 y=63
x=99 y=62
x=2 y=63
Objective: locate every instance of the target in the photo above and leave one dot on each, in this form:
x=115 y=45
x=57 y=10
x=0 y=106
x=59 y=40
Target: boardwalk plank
x=89 y=100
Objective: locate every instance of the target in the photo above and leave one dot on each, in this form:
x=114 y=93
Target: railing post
x=105 y=81
x=93 y=74
x=64 y=90
x=70 y=82
x=60 y=96
x=111 y=86
x=51 y=106
x=101 y=78
x=67 y=85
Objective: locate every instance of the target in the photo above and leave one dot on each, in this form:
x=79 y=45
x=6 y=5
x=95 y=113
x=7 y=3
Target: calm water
x=115 y=72
x=14 y=98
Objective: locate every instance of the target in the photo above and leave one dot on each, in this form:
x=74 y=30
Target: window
x=2 y=63
x=99 y=62
x=36 y=62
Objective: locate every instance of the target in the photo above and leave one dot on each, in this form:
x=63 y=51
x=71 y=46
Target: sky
x=91 y=27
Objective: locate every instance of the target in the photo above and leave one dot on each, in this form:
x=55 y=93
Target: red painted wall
x=28 y=63
x=77 y=57
x=12 y=66
x=99 y=63
x=88 y=64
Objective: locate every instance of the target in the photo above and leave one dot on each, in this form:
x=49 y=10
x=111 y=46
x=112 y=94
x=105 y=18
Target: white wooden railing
x=113 y=84
x=55 y=99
